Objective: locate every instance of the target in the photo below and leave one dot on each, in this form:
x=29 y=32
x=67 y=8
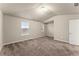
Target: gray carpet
x=44 y=46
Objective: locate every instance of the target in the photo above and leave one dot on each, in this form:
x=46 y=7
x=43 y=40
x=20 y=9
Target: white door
x=74 y=32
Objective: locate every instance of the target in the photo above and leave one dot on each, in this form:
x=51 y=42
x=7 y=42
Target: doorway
x=74 y=31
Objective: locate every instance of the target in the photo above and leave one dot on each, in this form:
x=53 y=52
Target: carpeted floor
x=44 y=46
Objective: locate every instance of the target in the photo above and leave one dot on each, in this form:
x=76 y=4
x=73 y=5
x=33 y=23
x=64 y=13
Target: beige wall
x=1 y=32
x=61 y=28
x=50 y=29
x=12 y=30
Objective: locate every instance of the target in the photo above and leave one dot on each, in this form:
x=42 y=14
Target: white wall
x=61 y=29
x=12 y=30
x=1 y=28
x=50 y=29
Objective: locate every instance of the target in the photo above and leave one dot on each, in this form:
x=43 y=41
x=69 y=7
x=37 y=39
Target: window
x=24 y=27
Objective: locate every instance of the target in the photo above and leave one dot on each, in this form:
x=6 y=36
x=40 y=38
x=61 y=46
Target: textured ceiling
x=33 y=10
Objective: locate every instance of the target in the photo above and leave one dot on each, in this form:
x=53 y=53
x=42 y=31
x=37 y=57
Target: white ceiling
x=33 y=10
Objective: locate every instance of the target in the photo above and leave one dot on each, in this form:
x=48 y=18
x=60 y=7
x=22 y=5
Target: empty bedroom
x=39 y=29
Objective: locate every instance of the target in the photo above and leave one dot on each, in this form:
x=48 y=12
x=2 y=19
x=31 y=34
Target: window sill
x=24 y=34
